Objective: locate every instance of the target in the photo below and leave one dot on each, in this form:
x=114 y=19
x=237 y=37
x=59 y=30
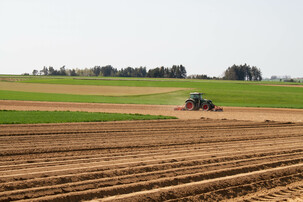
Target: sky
x=205 y=36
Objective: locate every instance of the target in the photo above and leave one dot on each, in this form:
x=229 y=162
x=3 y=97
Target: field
x=230 y=113
x=240 y=154
x=27 y=117
x=224 y=93
x=152 y=161
x=84 y=89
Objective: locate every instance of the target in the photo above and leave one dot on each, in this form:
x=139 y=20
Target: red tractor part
x=179 y=108
x=190 y=105
x=205 y=107
x=217 y=109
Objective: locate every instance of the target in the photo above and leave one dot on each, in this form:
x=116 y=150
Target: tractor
x=195 y=102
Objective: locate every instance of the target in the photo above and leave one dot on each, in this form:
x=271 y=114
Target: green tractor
x=195 y=102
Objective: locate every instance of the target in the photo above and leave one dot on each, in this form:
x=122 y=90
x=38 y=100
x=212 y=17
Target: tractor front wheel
x=189 y=105
x=205 y=107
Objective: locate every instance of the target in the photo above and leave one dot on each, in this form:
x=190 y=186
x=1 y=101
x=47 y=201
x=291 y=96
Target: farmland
x=84 y=89
x=240 y=154
x=152 y=160
x=224 y=93
x=24 y=117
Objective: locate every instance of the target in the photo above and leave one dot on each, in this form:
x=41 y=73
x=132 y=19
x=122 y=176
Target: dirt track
x=177 y=160
x=231 y=113
x=152 y=160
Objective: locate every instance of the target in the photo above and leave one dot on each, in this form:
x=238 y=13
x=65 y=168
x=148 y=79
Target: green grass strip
x=30 y=117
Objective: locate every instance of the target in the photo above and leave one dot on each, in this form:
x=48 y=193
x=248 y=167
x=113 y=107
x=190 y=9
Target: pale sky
x=206 y=36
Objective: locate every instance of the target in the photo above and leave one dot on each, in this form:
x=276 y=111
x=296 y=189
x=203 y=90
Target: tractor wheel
x=190 y=105
x=205 y=107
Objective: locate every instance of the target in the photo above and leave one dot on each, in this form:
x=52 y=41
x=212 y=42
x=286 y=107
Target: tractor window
x=196 y=96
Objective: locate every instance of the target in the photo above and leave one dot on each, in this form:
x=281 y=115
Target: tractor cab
x=196 y=96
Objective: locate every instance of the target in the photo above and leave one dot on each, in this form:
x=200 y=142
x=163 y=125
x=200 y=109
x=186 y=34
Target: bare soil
x=84 y=89
x=213 y=158
x=234 y=113
x=188 y=160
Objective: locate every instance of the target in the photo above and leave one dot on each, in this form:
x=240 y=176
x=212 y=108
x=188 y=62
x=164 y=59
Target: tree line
x=176 y=71
x=243 y=72
x=235 y=72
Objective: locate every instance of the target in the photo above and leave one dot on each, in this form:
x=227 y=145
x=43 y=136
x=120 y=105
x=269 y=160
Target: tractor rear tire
x=205 y=107
x=190 y=105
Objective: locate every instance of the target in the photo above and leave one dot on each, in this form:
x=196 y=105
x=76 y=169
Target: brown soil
x=190 y=159
x=237 y=113
x=84 y=89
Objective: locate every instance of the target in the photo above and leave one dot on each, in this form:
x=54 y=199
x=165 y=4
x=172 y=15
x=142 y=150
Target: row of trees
x=202 y=76
x=235 y=72
x=243 y=72
x=176 y=71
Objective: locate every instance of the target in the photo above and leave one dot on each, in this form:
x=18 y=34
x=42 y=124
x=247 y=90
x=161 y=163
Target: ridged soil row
x=153 y=161
x=130 y=139
x=283 y=193
x=207 y=188
x=7 y=170
x=129 y=162
x=165 y=176
x=128 y=156
x=131 y=126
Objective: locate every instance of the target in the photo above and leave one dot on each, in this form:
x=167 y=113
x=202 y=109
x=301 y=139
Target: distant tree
x=51 y=71
x=256 y=74
x=107 y=70
x=231 y=73
x=154 y=73
x=44 y=71
x=96 y=70
x=183 y=72
x=72 y=72
x=197 y=76
x=243 y=72
x=176 y=71
x=35 y=72
x=85 y=72
x=141 y=72
x=62 y=71
x=273 y=77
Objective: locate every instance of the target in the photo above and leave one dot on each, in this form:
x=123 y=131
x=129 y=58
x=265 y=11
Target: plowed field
x=175 y=160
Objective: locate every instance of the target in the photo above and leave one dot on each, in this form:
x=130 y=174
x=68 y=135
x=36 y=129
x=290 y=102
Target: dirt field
x=195 y=160
x=235 y=113
x=84 y=89
x=190 y=159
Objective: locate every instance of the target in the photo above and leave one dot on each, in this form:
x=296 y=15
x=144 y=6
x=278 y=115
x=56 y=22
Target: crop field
x=28 y=117
x=152 y=161
x=84 y=89
x=241 y=154
x=174 y=91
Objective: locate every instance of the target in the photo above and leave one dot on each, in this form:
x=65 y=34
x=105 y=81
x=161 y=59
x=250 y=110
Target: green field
x=222 y=93
x=29 y=117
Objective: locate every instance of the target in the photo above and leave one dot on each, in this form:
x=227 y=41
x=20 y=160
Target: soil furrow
x=150 y=160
